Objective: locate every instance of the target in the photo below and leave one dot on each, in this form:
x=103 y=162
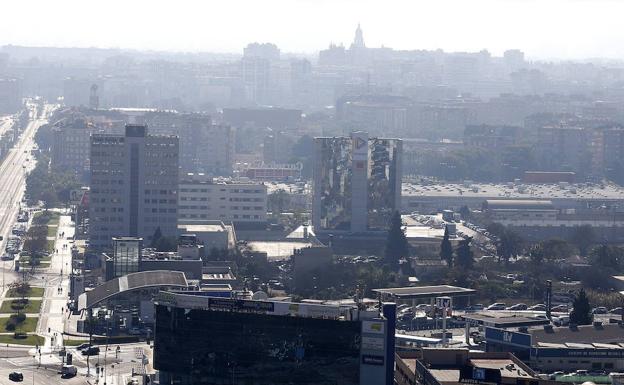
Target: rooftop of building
x=515 y=204
x=504 y=320
x=290 y=188
x=425 y=291
x=583 y=334
x=134 y=281
x=203 y=228
x=198 y=300
x=278 y=250
x=448 y=365
x=204 y=179
x=514 y=190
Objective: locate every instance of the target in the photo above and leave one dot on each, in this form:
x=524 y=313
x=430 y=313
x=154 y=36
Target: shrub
x=17 y=318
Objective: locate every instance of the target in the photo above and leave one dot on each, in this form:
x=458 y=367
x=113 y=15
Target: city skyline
x=582 y=32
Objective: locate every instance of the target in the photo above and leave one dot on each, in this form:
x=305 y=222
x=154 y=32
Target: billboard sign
x=374 y=327
x=507 y=337
x=368 y=359
x=372 y=343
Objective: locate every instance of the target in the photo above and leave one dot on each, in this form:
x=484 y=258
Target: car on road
x=617 y=310
x=538 y=307
x=68 y=371
x=518 y=306
x=82 y=347
x=600 y=310
x=496 y=306
x=16 y=376
x=90 y=351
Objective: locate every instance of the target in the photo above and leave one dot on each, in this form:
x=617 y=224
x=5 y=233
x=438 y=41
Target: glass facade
x=334 y=179
x=383 y=189
x=346 y=199
x=126 y=255
x=194 y=346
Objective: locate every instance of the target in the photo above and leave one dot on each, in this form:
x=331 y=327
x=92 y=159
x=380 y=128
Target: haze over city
x=312 y=192
x=554 y=29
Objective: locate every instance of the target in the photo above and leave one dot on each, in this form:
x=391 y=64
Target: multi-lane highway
x=13 y=170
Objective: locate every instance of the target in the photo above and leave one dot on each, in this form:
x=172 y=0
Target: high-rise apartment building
x=357 y=183
x=70 y=147
x=134 y=185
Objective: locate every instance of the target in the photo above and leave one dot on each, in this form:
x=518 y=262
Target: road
x=13 y=182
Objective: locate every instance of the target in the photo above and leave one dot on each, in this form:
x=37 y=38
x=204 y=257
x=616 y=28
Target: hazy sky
x=542 y=28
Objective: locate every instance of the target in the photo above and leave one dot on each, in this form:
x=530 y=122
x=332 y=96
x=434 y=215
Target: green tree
x=556 y=248
x=446 y=249
x=278 y=201
x=165 y=244
x=464 y=258
x=509 y=243
x=606 y=257
x=584 y=237
x=156 y=237
x=581 y=312
x=396 y=242
x=536 y=255
x=465 y=212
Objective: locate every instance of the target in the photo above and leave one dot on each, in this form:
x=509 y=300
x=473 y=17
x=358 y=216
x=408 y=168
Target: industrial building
x=426 y=197
x=434 y=366
x=593 y=347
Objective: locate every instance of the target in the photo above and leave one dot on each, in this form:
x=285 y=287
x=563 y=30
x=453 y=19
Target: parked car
x=475 y=307
x=581 y=372
x=553 y=376
x=560 y=308
x=423 y=307
x=564 y=320
x=134 y=331
x=617 y=310
x=16 y=376
x=518 y=306
x=496 y=306
x=600 y=310
x=538 y=307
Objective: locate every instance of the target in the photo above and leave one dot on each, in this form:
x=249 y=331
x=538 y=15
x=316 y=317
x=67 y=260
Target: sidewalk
x=54 y=307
